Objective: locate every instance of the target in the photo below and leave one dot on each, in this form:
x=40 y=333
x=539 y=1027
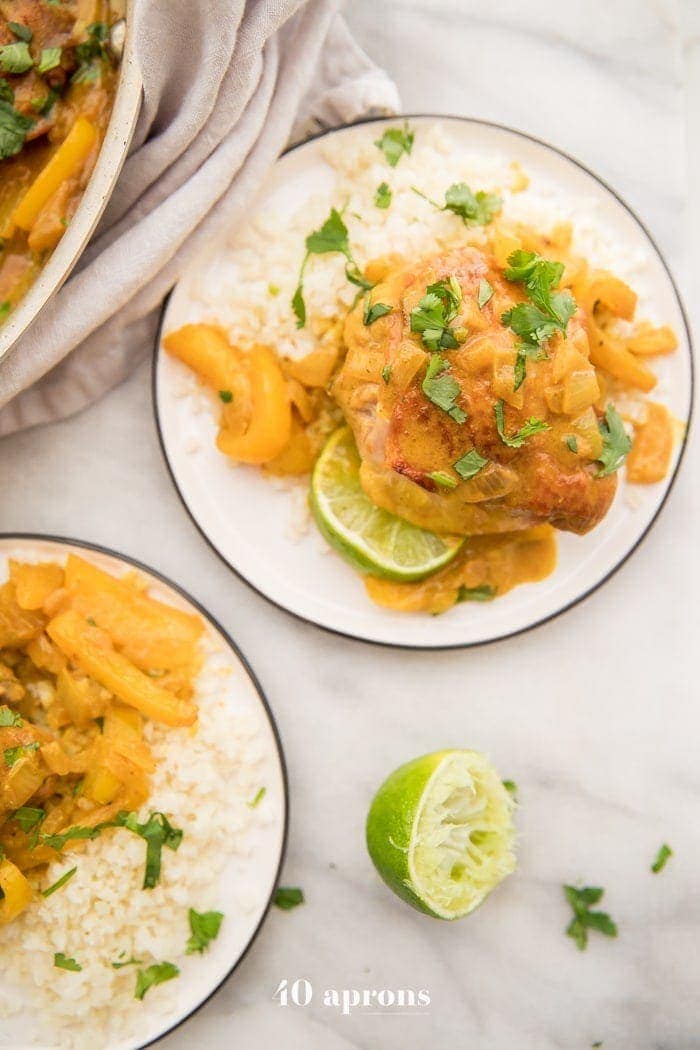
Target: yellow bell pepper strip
x=65 y=163
x=205 y=349
x=271 y=421
x=90 y=648
x=17 y=892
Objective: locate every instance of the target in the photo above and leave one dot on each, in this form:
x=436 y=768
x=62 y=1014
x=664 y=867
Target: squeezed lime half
x=440 y=832
x=371 y=539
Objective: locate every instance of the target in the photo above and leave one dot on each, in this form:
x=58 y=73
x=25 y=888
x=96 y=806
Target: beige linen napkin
x=226 y=84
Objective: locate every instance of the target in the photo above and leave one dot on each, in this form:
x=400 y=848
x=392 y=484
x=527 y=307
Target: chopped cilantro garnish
x=332 y=236
x=288 y=897
x=474 y=209
x=482 y=593
x=15 y=58
x=382 y=198
x=469 y=464
x=386 y=373
x=77 y=832
x=546 y=313
x=616 y=442
x=258 y=797
x=572 y=444
x=226 y=396
x=13 y=129
x=43 y=105
x=30 y=819
x=64 y=963
x=157 y=832
x=511 y=787
x=661 y=857
x=434 y=314
x=66 y=877
x=205 y=928
x=7 y=91
x=20 y=31
x=395 y=142
x=532 y=426
x=443 y=479
x=126 y=962
x=50 y=58
x=440 y=388
x=8 y=717
x=584 y=919
x=485 y=293
x=13 y=754
x=373 y=313
x=153 y=975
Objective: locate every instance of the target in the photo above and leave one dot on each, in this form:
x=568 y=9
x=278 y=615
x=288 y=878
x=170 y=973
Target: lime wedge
x=440 y=832
x=371 y=539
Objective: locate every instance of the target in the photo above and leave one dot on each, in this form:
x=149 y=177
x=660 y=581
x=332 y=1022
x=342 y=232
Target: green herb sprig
x=532 y=426
x=395 y=142
x=204 y=927
x=474 y=209
x=332 y=236
x=616 y=442
x=584 y=919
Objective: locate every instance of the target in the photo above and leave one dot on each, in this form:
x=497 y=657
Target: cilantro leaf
x=373 y=313
x=13 y=129
x=440 y=388
x=20 y=31
x=77 y=832
x=661 y=857
x=299 y=306
x=546 y=313
x=258 y=797
x=395 y=142
x=511 y=787
x=29 y=818
x=584 y=919
x=13 y=754
x=332 y=236
x=386 y=373
x=226 y=396
x=157 y=832
x=8 y=717
x=482 y=593
x=572 y=444
x=616 y=443
x=443 y=479
x=433 y=316
x=49 y=59
x=474 y=209
x=382 y=197
x=469 y=464
x=205 y=928
x=288 y=897
x=153 y=975
x=15 y=58
x=66 y=877
x=127 y=962
x=485 y=293
x=64 y=963
x=532 y=426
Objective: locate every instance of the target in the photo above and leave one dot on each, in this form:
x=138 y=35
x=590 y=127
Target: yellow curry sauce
x=58 y=76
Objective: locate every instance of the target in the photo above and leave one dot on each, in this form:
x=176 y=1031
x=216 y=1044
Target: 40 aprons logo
x=300 y=992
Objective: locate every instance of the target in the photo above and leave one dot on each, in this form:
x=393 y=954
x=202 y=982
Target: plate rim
x=69 y=541
x=430 y=646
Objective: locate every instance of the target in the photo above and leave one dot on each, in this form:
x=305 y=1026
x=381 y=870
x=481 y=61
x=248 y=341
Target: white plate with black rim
x=249 y=876
x=249 y=521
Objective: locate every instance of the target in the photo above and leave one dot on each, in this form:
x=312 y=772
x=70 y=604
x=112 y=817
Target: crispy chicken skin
x=403 y=437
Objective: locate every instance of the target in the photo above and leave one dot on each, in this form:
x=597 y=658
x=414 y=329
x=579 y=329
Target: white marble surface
x=594 y=715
